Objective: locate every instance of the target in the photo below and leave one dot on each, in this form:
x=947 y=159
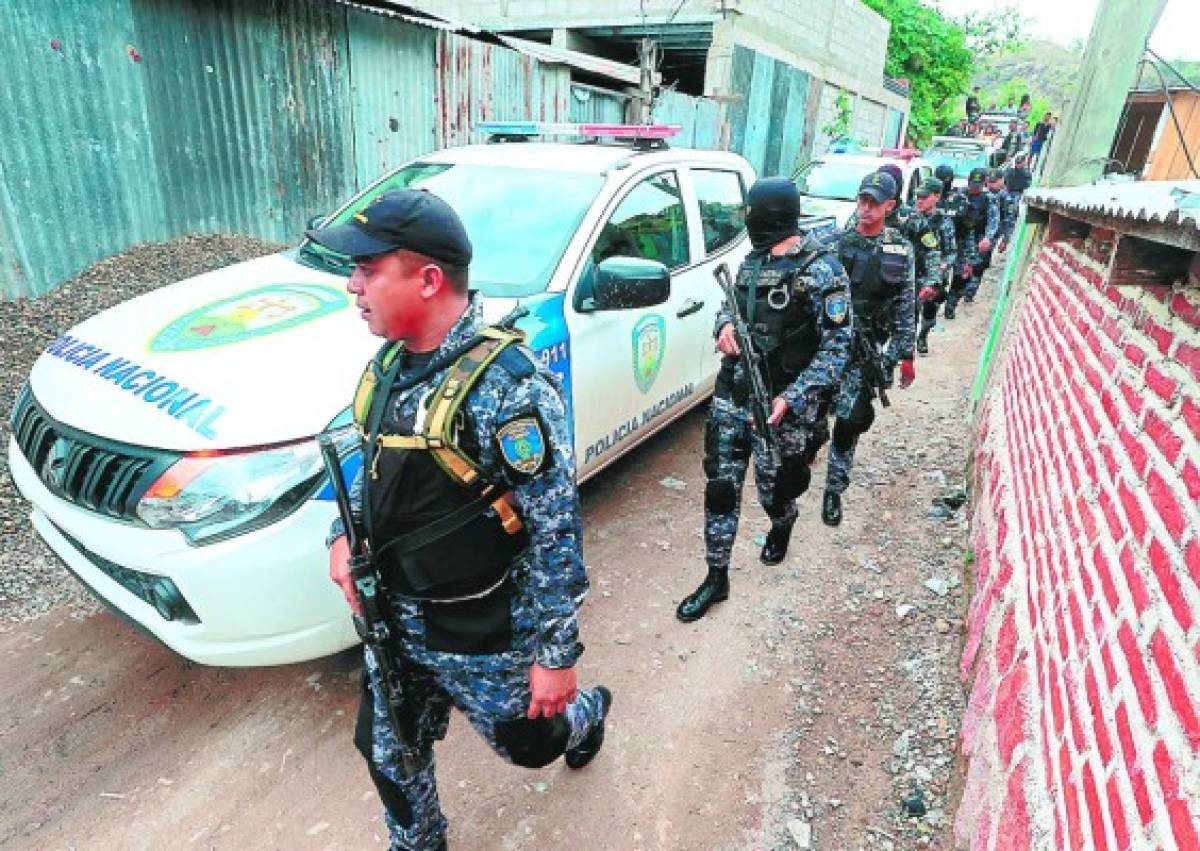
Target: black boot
x=923 y=342
x=949 y=311
x=775 y=548
x=585 y=751
x=714 y=589
x=831 y=509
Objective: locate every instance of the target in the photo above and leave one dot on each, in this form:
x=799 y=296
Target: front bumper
x=263 y=598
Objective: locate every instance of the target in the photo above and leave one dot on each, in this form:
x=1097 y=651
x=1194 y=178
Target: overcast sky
x=1177 y=35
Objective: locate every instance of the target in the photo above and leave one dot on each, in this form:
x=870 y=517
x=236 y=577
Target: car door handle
x=689 y=307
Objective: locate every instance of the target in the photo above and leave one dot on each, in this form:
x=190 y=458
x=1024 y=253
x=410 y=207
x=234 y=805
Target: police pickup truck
x=167 y=445
x=829 y=184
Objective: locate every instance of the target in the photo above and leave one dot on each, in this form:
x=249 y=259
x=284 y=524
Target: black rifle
x=871 y=362
x=752 y=364
x=372 y=625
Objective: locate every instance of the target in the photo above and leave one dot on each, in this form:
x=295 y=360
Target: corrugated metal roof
x=414 y=16
x=1158 y=201
x=583 y=61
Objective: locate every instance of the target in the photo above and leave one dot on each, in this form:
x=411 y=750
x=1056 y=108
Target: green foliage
x=993 y=32
x=839 y=128
x=1048 y=71
x=931 y=52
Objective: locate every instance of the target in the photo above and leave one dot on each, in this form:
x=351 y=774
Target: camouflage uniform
x=728 y=436
x=885 y=315
x=943 y=226
x=979 y=219
x=546 y=587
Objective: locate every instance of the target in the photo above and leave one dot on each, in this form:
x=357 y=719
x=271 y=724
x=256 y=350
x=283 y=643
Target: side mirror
x=316 y=221
x=622 y=283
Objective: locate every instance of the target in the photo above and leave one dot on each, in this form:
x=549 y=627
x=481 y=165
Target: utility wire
x=1175 y=118
x=1173 y=70
x=675 y=12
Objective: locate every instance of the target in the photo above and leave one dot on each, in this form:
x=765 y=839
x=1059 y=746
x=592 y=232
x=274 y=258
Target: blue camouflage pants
x=846 y=431
x=491 y=690
x=985 y=263
x=728 y=446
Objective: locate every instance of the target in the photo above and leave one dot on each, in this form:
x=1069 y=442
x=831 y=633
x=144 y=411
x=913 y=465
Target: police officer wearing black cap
x=975 y=229
x=932 y=286
x=794 y=297
x=468 y=503
x=881 y=267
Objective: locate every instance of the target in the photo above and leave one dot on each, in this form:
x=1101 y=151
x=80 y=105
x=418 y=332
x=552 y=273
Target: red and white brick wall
x=1082 y=657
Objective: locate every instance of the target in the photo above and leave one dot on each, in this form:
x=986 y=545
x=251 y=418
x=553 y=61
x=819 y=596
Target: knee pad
x=791 y=481
x=845 y=432
x=720 y=496
x=390 y=794
x=533 y=743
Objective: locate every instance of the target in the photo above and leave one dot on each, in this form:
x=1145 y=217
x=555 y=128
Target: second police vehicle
x=167 y=445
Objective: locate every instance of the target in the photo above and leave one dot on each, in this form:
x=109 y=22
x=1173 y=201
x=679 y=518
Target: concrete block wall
x=1082 y=657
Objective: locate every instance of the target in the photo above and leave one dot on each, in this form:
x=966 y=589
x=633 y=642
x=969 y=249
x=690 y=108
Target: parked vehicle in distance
x=829 y=184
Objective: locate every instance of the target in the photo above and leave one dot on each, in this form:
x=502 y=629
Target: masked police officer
x=1008 y=203
x=975 y=228
x=932 y=285
x=880 y=265
x=793 y=295
x=468 y=500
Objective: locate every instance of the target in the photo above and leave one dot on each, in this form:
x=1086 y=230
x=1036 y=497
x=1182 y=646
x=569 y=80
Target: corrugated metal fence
x=766 y=124
x=141 y=120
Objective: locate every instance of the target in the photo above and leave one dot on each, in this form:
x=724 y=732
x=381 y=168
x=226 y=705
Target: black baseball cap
x=400 y=218
x=930 y=186
x=879 y=186
x=977 y=177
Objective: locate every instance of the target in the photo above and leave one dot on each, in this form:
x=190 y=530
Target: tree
x=995 y=31
x=932 y=52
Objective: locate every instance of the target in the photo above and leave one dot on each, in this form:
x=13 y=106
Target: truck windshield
x=961 y=159
x=519 y=220
x=839 y=181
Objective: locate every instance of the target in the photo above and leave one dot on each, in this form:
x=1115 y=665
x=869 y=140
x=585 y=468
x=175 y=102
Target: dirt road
x=820 y=695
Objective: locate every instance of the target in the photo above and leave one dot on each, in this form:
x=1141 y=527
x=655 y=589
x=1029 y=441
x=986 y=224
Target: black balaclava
x=945 y=174
x=774 y=211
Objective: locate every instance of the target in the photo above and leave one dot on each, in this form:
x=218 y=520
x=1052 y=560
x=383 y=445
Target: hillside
x=1048 y=70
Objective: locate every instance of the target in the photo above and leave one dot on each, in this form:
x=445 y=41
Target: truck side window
x=649 y=223
x=722 y=199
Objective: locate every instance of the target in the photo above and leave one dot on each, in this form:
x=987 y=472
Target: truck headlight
x=211 y=496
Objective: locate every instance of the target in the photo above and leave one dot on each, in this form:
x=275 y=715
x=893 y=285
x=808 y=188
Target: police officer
x=1008 y=203
x=931 y=292
x=975 y=227
x=880 y=265
x=469 y=505
x=793 y=294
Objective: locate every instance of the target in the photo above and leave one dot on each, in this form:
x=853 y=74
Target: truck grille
x=97 y=474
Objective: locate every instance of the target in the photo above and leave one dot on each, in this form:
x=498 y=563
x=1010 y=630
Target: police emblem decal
x=260 y=311
x=837 y=307
x=929 y=240
x=649 y=346
x=522 y=445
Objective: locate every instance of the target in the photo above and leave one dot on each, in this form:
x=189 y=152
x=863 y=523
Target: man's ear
x=433 y=279
x=889 y=205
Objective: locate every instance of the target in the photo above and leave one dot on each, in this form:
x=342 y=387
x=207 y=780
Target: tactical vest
x=437 y=530
x=975 y=212
x=875 y=271
x=779 y=313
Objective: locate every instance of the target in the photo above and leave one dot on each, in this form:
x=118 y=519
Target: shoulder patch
x=523 y=445
x=929 y=240
x=837 y=307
